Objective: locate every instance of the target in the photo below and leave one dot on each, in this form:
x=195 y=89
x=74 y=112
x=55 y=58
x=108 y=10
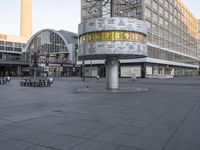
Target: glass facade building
x=172 y=34
x=171 y=26
x=56 y=51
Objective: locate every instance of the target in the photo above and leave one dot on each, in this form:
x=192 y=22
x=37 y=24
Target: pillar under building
x=109 y=31
x=112 y=39
x=112 y=73
x=26 y=19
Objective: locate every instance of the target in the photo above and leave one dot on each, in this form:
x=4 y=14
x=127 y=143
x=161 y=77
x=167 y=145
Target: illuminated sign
x=112 y=36
x=62 y=58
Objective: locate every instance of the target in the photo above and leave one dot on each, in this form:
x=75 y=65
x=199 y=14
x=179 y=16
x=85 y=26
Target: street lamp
x=35 y=64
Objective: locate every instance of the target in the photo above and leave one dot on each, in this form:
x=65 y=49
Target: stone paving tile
x=36 y=137
x=113 y=138
x=191 y=124
x=62 y=142
x=182 y=108
x=161 y=108
x=37 y=124
x=189 y=136
x=4 y=122
x=163 y=126
x=183 y=129
x=130 y=122
x=85 y=116
x=129 y=148
x=194 y=116
x=79 y=122
x=124 y=129
x=8 y=127
x=172 y=118
x=14 y=145
x=175 y=144
x=16 y=132
x=197 y=108
x=157 y=133
x=2 y=139
x=51 y=119
x=150 y=118
x=144 y=115
x=22 y=117
x=92 y=145
x=42 y=121
x=83 y=130
x=146 y=143
x=39 y=148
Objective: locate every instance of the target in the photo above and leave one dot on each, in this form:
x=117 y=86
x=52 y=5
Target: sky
x=54 y=14
x=51 y=14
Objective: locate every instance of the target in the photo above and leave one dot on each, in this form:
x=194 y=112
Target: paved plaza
x=62 y=117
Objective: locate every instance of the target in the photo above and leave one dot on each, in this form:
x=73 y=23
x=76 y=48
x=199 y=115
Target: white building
x=172 y=37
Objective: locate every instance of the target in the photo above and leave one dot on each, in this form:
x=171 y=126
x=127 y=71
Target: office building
x=12 y=61
x=171 y=38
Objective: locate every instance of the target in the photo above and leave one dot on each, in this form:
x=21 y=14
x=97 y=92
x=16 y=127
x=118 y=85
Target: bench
x=34 y=82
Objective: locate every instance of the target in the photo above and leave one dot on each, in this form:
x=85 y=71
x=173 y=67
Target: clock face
x=117 y=36
x=112 y=24
x=112 y=29
x=112 y=36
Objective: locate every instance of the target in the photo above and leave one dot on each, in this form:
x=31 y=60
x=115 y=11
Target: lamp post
x=83 y=70
x=199 y=68
x=90 y=68
x=35 y=64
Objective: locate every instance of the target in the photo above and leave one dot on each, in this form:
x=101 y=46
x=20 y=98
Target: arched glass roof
x=49 y=42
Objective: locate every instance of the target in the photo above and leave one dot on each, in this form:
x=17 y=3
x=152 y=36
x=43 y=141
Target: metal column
x=112 y=73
